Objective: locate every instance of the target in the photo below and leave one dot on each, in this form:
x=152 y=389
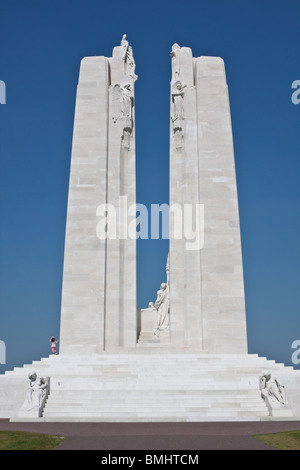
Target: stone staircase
x=154 y=385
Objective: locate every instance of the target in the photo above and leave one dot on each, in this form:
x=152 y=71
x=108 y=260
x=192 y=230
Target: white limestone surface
x=163 y=384
x=99 y=278
x=83 y=290
x=207 y=300
x=223 y=297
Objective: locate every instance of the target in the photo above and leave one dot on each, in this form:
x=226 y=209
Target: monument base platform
x=155 y=385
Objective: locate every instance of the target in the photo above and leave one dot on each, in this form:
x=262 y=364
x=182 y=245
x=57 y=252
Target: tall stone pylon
x=207 y=302
x=98 y=311
x=121 y=298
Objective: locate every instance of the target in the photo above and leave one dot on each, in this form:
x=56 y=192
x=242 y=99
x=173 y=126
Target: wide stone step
x=149 y=419
x=172 y=400
x=105 y=404
x=153 y=416
x=152 y=419
x=63 y=384
x=152 y=412
x=133 y=393
x=147 y=371
x=149 y=399
x=164 y=408
x=169 y=389
x=160 y=362
x=154 y=359
x=163 y=381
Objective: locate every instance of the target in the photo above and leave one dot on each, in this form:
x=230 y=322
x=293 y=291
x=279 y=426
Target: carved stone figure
x=162 y=306
x=31 y=382
x=36 y=395
x=168 y=270
x=121 y=104
x=126 y=138
x=127 y=100
x=37 y=389
x=155 y=320
x=128 y=58
x=272 y=390
x=175 y=61
x=177 y=92
x=178 y=138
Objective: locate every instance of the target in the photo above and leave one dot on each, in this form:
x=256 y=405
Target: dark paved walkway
x=157 y=436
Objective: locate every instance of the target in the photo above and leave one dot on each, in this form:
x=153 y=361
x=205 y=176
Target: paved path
x=157 y=436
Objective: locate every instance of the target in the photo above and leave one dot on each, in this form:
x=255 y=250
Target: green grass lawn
x=281 y=440
x=16 y=440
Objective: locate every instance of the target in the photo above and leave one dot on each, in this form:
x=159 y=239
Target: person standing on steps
x=53 y=344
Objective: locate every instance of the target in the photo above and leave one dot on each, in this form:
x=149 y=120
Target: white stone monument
x=190 y=362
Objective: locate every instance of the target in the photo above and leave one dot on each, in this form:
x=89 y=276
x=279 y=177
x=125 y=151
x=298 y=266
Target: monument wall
x=121 y=301
x=98 y=309
x=207 y=305
x=223 y=299
x=83 y=292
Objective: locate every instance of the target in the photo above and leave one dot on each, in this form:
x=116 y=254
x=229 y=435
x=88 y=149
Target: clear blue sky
x=41 y=45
